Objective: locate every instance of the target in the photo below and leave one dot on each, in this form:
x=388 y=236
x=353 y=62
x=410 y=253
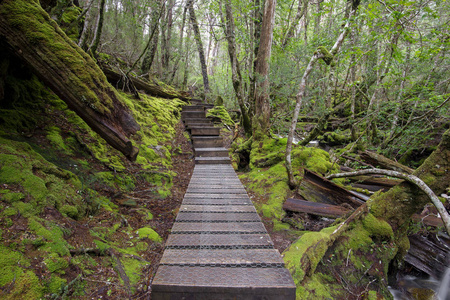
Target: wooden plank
x=314 y=208
x=315 y=188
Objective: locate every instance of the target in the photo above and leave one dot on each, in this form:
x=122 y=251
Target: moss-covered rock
x=149 y=233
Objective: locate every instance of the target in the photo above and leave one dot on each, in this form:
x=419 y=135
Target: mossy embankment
x=266 y=175
x=76 y=217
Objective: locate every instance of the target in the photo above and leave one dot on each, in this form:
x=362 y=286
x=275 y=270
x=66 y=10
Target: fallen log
x=429 y=254
x=373 y=183
x=152 y=89
x=379 y=160
x=314 y=208
x=28 y=32
x=315 y=188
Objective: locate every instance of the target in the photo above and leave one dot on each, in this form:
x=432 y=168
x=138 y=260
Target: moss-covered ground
x=74 y=211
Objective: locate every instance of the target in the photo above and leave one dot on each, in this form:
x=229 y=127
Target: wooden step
x=212 y=160
x=193 y=115
x=211 y=152
x=193 y=108
x=202 y=131
x=218 y=248
x=189 y=121
x=207 y=141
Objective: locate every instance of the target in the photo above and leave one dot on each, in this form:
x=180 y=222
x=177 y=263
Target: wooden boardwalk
x=218 y=247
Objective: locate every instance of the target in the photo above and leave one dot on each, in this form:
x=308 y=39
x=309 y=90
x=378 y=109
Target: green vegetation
x=221 y=113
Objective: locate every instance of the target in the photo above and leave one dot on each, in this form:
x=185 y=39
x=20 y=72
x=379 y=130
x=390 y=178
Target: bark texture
x=236 y=75
x=261 y=119
x=35 y=38
x=198 y=41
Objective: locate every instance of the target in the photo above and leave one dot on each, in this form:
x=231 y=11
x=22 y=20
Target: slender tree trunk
x=180 y=46
x=353 y=38
x=87 y=27
x=320 y=53
x=261 y=119
x=236 y=75
x=168 y=36
x=198 y=40
x=257 y=17
x=318 y=17
x=98 y=29
x=149 y=57
x=301 y=10
x=186 y=60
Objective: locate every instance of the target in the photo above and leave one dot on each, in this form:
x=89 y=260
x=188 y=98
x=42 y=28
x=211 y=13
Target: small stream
x=422 y=288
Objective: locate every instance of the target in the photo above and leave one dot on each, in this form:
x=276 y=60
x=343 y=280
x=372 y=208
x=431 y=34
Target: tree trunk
x=149 y=88
x=166 y=49
x=35 y=38
x=321 y=53
x=301 y=10
x=235 y=68
x=147 y=62
x=98 y=30
x=87 y=27
x=198 y=40
x=180 y=47
x=261 y=119
x=257 y=17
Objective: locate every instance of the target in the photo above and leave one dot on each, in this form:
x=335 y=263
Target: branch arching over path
x=411 y=179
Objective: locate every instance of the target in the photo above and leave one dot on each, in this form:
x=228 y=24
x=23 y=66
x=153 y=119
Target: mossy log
x=379 y=160
x=152 y=89
x=318 y=189
x=314 y=208
x=30 y=34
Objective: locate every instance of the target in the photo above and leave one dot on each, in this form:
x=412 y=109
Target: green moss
x=141 y=246
x=27 y=286
x=11 y=265
x=280 y=226
x=28 y=19
x=9 y=211
x=221 y=113
x=118 y=181
x=70 y=211
x=53 y=237
x=303 y=256
x=11 y=197
x=316 y=287
x=56 y=264
x=133 y=269
x=40 y=180
x=147 y=232
x=55 y=138
x=378 y=228
x=56 y=285
x=327 y=56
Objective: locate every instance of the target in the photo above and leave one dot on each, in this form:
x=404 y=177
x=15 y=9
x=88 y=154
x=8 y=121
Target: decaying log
x=152 y=89
x=372 y=183
x=375 y=160
x=314 y=208
x=425 y=247
x=315 y=188
x=445 y=216
x=30 y=34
